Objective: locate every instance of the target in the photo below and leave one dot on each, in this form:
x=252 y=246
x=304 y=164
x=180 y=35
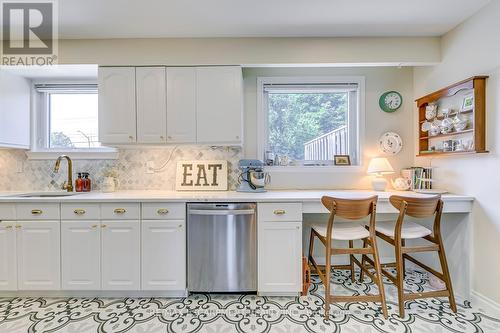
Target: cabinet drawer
x=34 y=211
x=120 y=211
x=79 y=211
x=163 y=211
x=7 y=211
x=286 y=211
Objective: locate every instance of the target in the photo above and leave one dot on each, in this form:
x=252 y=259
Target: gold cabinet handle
x=120 y=211
x=131 y=137
x=79 y=211
x=8 y=227
x=180 y=225
x=36 y=212
x=18 y=226
x=94 y=226
x=279 y=212
x=162 y=211
x=103 y=226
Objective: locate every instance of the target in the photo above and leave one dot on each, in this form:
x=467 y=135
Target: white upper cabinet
x=14 y=111
x=117 y=109
x=151 y=98
x=219 y=104
x=181 y=105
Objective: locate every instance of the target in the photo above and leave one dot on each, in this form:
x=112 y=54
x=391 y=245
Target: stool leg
x=446 y=273
x=380 y=283
x=311 y=248
x=400 y=278
x=327 y=279
x=351 y=245
x=363 y=257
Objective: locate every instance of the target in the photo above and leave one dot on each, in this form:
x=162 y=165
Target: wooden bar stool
x=352 y=210
x=396 y=233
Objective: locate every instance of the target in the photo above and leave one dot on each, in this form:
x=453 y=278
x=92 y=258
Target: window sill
x=75 y=154
x=315 y=169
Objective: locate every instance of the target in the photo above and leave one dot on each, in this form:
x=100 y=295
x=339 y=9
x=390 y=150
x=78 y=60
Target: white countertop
x=228 y=196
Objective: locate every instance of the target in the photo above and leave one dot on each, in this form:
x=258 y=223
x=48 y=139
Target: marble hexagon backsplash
x=131 y=167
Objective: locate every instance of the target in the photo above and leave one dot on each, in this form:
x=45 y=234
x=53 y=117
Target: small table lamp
x=379 y=166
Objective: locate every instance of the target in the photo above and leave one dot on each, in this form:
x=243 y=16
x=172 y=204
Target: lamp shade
x=380 y=165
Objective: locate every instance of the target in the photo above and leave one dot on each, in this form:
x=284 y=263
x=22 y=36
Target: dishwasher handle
x=221 y=212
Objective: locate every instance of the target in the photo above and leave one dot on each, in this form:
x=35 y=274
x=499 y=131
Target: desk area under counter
x=283 y=213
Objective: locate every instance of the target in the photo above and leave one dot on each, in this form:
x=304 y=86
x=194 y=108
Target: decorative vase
x=108 y=184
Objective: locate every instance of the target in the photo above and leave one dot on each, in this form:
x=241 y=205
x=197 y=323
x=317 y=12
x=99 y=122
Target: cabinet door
x=163 y=255
x=120 y=251
x=117 y=116
x=151 y=104
x=219 y=105
x=181 y=104
x=15 y=93
x=38 y=255
x=8 y=256
x=81 y=255
x=279 y=256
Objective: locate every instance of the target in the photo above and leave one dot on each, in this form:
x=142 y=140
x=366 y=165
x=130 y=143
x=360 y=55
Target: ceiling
x=260 y=18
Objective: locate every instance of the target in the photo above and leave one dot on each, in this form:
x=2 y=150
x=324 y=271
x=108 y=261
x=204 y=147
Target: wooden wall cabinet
x=472 y=139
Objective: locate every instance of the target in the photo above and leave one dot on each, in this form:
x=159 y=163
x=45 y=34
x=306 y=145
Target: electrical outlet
x=19 y=166
x=150 y=167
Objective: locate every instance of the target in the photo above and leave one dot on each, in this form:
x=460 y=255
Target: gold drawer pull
x=36 y=212
x=120 y=211
x=8 y=227
x=18 y=226
x=279 y=212
x=79 y=211
x=162 y=211
x=94 y=226
x=103 y=226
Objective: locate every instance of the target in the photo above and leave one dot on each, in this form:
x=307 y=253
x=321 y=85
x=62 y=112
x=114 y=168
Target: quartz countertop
x=216 y=196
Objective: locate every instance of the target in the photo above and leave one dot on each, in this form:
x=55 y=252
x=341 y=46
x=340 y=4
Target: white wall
x=471 y=49
x=378 y=80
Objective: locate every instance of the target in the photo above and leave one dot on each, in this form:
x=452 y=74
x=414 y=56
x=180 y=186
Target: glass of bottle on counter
x=87 y=183
x=79 y=183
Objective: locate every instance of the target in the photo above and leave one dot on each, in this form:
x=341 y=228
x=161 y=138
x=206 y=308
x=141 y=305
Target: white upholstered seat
x=344 y=231
x=409 y=230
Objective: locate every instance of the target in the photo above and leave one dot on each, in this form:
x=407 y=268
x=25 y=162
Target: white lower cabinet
x=163 y=255
x=121 y=259
x=8 y=256
x=280 y=257
x=81 y=255
x=38 y=254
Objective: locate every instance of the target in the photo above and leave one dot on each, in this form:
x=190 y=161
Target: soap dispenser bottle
x=79 y=183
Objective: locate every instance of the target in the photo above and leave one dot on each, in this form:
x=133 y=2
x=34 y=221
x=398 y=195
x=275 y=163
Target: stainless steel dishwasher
x=222 y=247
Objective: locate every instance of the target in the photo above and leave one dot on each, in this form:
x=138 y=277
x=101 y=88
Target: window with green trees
x=311 y=123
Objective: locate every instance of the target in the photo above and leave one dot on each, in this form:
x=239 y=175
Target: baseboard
x=96 y=293
x=490 y=306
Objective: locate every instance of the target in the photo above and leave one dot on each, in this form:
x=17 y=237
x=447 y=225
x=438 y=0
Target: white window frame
x=358 y=125
x=40 y=130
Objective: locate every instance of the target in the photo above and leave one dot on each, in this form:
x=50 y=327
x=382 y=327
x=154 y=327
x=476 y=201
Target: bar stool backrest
x=351 y=209
x=417 y=207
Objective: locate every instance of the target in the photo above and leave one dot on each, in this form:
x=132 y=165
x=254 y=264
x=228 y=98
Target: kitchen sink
x=44 y=194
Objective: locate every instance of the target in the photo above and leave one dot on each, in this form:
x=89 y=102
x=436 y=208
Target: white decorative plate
x=390 y=143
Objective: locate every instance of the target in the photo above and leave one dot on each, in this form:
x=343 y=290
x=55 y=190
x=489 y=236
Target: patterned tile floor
x=244 y=313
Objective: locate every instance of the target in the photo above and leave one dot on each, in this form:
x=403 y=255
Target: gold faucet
x=68 y=185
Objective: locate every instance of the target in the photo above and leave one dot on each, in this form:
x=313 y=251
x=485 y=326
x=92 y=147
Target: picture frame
x=468 y=103
x=344 y=160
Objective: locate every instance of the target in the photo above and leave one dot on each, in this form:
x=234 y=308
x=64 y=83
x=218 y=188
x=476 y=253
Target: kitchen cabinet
x=38 y=255
x=121 y=259
x=15 y=93
x=181 y=105
x=81 y=255
x=117 y=107
x=163 y=255
x=8 y=256
x=151 y=98
x=279 y=257
x=219 y=104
